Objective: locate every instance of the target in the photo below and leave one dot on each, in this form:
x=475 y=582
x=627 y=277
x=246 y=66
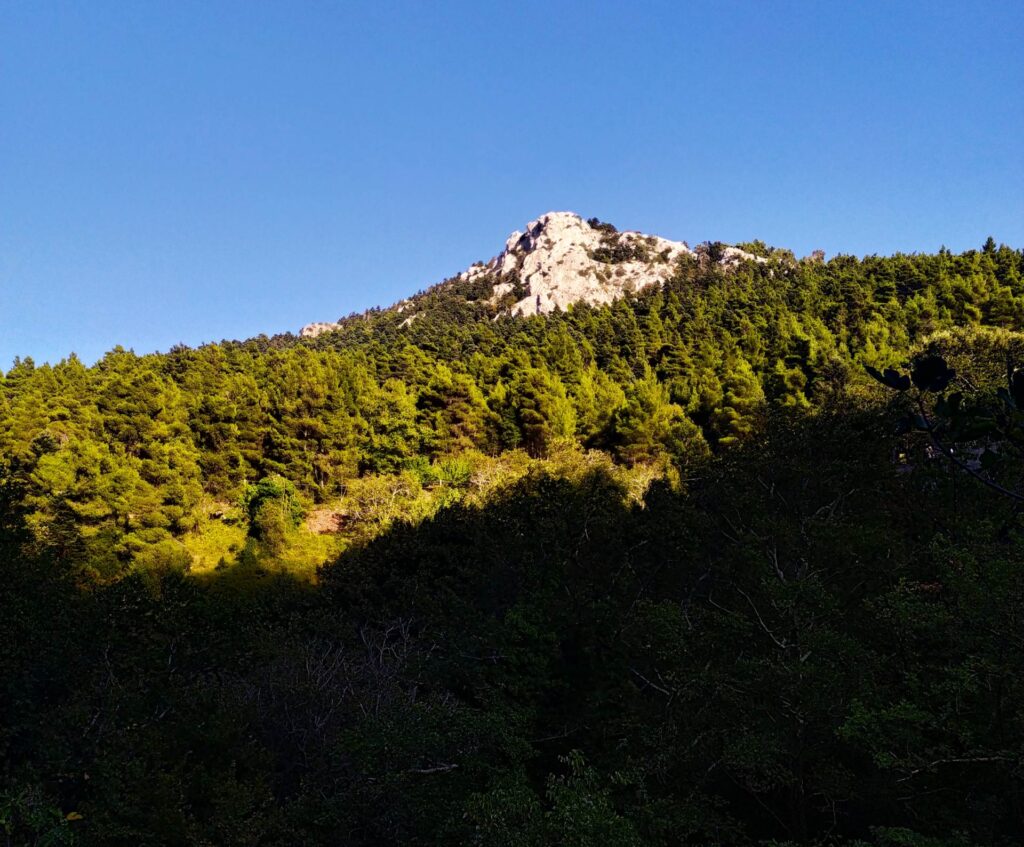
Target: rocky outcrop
x=562 y=259
x=318 y=328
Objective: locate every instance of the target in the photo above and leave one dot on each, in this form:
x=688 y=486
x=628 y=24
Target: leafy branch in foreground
x=974 y=434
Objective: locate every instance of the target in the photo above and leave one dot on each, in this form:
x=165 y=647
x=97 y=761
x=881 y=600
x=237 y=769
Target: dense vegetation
x=653 y=573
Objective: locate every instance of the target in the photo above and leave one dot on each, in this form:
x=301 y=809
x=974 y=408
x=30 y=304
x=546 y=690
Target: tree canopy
x=734 y=561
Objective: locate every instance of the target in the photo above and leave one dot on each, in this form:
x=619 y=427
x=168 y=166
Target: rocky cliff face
x=562 y=259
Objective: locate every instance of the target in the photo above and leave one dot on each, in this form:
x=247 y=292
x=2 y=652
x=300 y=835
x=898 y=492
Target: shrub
x=273 y=509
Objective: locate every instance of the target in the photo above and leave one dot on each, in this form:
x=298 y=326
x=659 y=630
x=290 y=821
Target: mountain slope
x=562 y=259
x=656 y=571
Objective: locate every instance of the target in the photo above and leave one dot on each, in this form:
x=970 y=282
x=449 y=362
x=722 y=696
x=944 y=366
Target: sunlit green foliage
x=117 y=460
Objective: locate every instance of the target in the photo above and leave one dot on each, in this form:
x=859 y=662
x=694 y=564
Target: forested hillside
x=122 y=464
x=664 y=571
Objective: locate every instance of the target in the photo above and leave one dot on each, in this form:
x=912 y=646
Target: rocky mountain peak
x=561 y=259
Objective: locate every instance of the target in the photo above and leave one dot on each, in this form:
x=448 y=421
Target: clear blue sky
x=184 y=172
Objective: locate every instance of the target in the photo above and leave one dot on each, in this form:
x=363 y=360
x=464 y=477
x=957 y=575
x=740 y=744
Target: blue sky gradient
x=186 y=172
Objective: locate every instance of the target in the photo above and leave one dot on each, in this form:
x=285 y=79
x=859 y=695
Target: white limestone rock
x=558 y=261
x=318 y=328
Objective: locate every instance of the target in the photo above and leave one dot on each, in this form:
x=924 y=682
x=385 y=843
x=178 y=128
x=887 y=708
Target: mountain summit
x=563 y=259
